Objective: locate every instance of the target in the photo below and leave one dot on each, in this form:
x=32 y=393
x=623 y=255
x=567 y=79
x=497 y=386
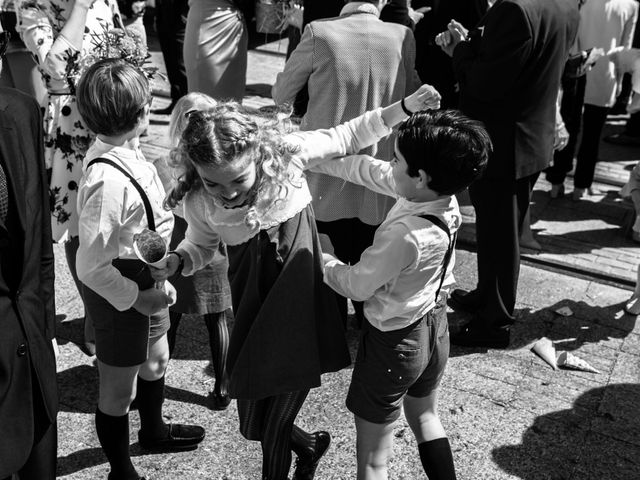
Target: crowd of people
x=403 y=105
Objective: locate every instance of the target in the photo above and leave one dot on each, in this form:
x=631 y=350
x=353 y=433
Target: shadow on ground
x=564 y=444
x=588 y=324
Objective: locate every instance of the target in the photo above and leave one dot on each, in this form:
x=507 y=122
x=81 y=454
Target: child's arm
x=100 y=205
x=362 y=170
x=200 y=244
x=361 y=132
x=379 y=264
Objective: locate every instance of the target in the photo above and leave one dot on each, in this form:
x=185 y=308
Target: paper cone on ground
x=570 y=361
x=545 y=350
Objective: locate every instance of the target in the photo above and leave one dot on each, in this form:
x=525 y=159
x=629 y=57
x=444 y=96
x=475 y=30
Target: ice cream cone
x=570 y=361
x=545 y=350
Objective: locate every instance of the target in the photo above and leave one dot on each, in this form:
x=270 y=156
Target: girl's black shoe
x=218 y=401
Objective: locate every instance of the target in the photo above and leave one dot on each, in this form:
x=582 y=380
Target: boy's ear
x=422 y=180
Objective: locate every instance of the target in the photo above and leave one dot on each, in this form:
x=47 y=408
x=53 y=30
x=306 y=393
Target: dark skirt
x=122 y=338
x=287 y=329
x=207 y=290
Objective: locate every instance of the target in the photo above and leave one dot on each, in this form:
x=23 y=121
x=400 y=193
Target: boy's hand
x=426 y=97
x=325 y=243
x=151 y=301
x=171 y=292
x=170 y=268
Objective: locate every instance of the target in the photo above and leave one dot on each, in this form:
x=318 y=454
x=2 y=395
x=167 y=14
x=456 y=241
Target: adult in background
x=432 y=64
x=59 y=34
x=171 y=25
x=605 y=24
x=351 y=64
x=28 y=396
x=19 y=70
x=509 y=74
x=215 y=49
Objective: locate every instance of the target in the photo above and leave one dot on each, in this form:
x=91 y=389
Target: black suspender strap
x=452 y=244
x=145 y=200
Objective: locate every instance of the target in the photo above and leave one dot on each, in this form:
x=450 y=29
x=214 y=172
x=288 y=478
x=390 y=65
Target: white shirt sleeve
x=101 y=212
x=201 y=241
x=350 y=137
x=381 y=263
x=376 y=175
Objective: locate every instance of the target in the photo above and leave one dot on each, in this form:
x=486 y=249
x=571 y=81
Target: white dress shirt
x=111 y=212
x=398 y=276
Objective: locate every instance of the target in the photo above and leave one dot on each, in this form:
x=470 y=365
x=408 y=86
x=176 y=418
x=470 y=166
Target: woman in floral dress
x=59 y=33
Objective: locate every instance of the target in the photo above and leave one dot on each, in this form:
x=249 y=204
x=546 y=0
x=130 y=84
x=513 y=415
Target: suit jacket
x=352 y=63
x=26 y=293
x=509 y=76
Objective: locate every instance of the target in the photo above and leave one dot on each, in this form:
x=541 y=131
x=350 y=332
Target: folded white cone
x=544 y=349
x=570 y=361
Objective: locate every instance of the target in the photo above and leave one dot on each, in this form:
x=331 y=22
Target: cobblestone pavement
x=508 y=414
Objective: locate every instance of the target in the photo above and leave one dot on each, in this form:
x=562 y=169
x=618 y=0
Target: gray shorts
x=390 y=365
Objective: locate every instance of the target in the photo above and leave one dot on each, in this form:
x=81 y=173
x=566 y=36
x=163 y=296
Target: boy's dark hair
x=451 y=148
x=111 y=95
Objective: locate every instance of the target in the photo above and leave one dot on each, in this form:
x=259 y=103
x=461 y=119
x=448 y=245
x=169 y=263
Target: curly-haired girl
x=243 y=181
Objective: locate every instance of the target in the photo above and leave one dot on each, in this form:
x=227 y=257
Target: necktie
x=4 y=196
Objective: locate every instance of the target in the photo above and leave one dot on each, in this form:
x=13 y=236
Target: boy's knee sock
x=150 y=398
x=113 y=434
x=437 y=459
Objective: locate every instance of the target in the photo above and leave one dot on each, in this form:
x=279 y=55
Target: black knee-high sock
x=276 y=442
x=437 y=459
x=174 y=318
x=302 y=443
x=150 y=398
x=219 y=344
x=113 y=434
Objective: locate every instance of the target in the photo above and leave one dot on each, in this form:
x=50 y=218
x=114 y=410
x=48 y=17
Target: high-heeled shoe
x=557 y=190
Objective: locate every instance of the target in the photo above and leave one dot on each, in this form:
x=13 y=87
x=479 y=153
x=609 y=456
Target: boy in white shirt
x=404 y=345
x=120 y=194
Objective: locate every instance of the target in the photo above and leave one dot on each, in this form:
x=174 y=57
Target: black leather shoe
x=179 y=437
x=306 y=464
x=467 y=301
x=218 y=401
x=164 y=111
x=481 y=336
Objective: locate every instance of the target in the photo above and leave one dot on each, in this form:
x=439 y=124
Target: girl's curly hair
x=223 y=133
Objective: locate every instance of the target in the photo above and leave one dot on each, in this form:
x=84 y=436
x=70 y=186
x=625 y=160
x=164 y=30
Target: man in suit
x=508 y=70
x=28 y=395
x=352 y=63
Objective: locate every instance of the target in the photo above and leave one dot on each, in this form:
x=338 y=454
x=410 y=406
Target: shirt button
x=22 y=350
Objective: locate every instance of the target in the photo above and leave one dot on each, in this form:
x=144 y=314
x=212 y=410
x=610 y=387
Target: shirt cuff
x=374 y=119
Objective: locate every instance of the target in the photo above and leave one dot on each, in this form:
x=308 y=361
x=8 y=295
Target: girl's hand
x=151 y=301
x=426 y=97
x=171 y=267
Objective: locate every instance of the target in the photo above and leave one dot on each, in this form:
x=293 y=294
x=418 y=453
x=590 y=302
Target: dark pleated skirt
x=287 y=329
